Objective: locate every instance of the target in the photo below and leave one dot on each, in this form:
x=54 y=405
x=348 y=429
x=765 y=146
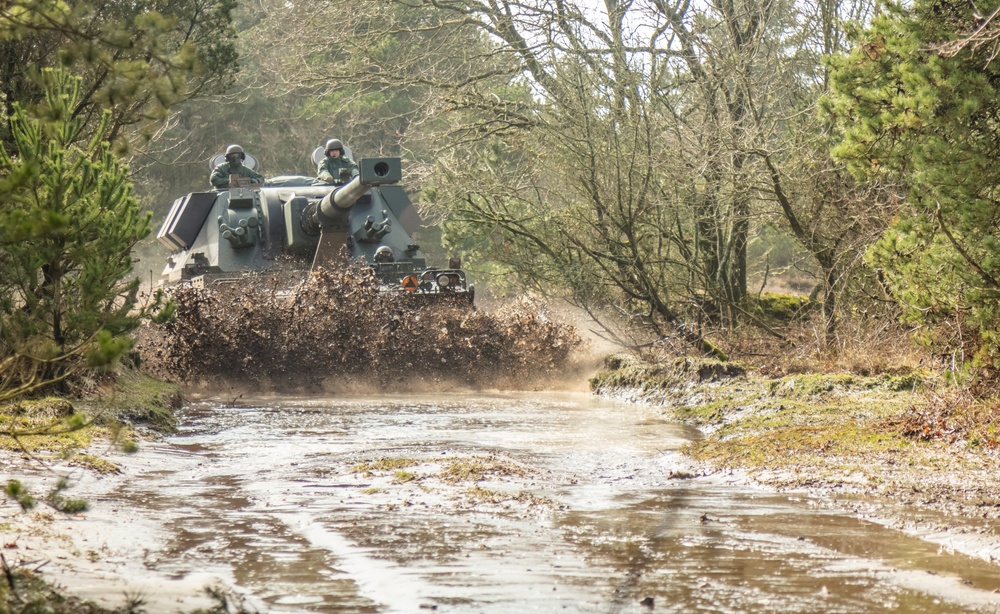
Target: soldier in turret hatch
x=336 y=167
x=221 y=174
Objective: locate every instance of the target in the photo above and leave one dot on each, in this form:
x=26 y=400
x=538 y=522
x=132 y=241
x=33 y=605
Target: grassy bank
x=120 y=411
x=900 y=436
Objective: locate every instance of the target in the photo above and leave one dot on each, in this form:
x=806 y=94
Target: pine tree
x=68 y=222
x=916 y=109
x=138 y=59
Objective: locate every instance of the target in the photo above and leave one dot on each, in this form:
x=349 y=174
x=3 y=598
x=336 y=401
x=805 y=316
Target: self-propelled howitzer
x=294 y=222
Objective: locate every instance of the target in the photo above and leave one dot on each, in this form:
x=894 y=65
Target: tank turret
x=295 y=222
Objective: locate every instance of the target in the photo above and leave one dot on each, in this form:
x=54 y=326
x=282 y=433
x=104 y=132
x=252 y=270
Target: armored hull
x=293 y=223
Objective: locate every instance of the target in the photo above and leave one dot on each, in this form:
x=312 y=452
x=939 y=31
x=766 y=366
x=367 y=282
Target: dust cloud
x=336 y=331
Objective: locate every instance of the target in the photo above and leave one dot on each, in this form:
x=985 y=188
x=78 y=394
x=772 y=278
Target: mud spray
x=336 y=330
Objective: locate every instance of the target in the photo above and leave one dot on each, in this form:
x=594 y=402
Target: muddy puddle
x=486 y=504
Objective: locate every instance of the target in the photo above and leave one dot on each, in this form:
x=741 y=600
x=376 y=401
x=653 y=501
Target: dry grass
x=952 y=415
x=497 y=497
x=952 y=403
x=861 y=346
x=96 y=464
x=478 y=468
x=384 y=465
x=894 y=392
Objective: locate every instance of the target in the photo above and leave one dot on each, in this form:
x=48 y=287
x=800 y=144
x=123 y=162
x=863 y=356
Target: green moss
x=803 y=419
x=903 y=382
x=782 y=307
x=61 y=428
x=812 y=384
x=779 y=447
x=760 y=423
x=708 y=410
x=39 y=411
x=35 y=413
x=137 y=399
x=819 y=384
x=624 y=371
x=32 y=427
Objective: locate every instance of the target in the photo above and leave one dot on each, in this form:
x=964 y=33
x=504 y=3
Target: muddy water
x=589 y=508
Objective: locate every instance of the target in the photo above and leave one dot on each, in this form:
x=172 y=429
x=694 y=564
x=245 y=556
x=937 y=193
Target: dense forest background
x=664 y=166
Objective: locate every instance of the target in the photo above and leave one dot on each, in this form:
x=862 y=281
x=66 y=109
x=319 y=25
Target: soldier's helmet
x=384 y=254
x=235 y=149
x=335 y=144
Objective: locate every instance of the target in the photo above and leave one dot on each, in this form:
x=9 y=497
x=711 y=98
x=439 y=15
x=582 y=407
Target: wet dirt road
x=500 y=504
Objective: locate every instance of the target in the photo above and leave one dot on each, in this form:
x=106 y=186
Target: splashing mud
x=337 y=330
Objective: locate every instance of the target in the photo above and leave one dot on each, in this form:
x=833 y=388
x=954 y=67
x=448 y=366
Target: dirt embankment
x=889 y=447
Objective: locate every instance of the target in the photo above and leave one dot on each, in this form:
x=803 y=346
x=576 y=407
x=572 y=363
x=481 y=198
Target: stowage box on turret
x=368 y=218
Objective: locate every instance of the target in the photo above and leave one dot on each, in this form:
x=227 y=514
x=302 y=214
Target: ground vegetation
x=63 y=435
x=883 y=432
x=135 y=60
x=67 y=227
x=917 y=107
x=24 y=592
x=113 y=411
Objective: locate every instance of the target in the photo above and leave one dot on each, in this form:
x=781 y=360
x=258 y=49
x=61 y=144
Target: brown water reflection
x=580 y=515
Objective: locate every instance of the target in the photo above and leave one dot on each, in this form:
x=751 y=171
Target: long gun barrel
x=372 y=172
